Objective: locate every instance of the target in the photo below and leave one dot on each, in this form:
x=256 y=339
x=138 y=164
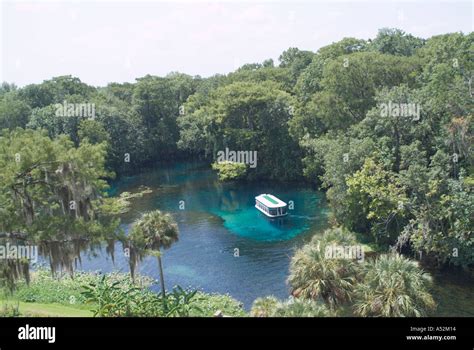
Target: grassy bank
x=12 y=307
x=91 y=294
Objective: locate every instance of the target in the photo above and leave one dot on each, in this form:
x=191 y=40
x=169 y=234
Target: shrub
x=393 y=286
x=228 y=171
x=314 y=276
x=293 y=307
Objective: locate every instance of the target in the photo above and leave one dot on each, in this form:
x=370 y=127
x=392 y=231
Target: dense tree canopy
x=51 y=196
x=245 y=116
x=385 y=126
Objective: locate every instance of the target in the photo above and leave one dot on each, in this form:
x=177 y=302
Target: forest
x=383 y=126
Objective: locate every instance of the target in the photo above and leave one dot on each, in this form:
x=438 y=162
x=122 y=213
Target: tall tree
x=151 y=233
x=52 y=195
x=396 y=42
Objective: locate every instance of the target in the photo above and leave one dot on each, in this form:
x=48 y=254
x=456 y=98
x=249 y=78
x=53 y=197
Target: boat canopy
x=270 y=201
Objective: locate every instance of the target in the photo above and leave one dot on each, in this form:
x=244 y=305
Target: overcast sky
x=118 y=41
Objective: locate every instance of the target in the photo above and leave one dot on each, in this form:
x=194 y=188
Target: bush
x=315 y=276
x=393 y=286
x=115 y=295
x=123 y=298
x=208 y=304
x=229 y=171
x=302 y=308
x=62 y=289
x=119 y=297
x=44 y=288
x=10 y=311
x=293 y=307
x=264 y=307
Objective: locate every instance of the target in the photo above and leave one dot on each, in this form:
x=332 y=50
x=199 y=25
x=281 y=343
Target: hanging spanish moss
x=110 y=249
x=62 y=227
x=62 y=256
x=12 y=270
x=56 y=202
x=136 y=256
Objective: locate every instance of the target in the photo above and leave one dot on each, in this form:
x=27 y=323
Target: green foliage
x=41 y=176
x=309 y=81
x=393 y=287
x=302 y=308
x=443 y=226
x=44 y=288
x=229 y=171
x=249 y=117
x=14 y=112
x=396 y=42
x=157 y=101
x=389 y=285
x=329 y=161
x=115 y=295
x=52 y=192
x=93 y=131
x=408 y=181
x=151 y=233
x=207 y=305
x=115 y=298
x=272 y=307
x=137 y=119
x=120 y=297
x=315 y=276
x=259 y=74
x=407 y=197
x=264 y=307
x=56 y=90
x=378 y=194
x=8 y=310
x=295 y=61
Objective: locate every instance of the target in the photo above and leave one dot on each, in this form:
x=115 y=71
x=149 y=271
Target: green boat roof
x=270 y=201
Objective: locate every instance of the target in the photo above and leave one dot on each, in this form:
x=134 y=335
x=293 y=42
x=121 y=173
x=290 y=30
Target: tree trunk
x=162 y=282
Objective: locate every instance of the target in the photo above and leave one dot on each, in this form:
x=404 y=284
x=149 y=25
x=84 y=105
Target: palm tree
x=293 y=307
x=152 y=232
x=302 y=308
x=264 y=307
x=337 y=235
x=394 y=286
x=314 y=276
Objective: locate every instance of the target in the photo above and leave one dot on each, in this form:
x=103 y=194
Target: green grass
x=45 y=289
x=46 y=296
x=47 y=310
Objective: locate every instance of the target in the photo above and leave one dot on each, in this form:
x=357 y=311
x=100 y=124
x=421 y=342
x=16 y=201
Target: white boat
x=271 y=206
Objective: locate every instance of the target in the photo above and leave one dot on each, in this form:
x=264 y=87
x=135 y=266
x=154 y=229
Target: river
x=227 y=246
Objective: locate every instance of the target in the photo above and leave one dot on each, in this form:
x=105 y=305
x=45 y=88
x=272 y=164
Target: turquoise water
x=191 y=190
x=226 y=245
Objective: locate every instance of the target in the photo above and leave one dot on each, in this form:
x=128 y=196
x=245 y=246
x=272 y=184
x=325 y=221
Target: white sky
x=117 y=41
